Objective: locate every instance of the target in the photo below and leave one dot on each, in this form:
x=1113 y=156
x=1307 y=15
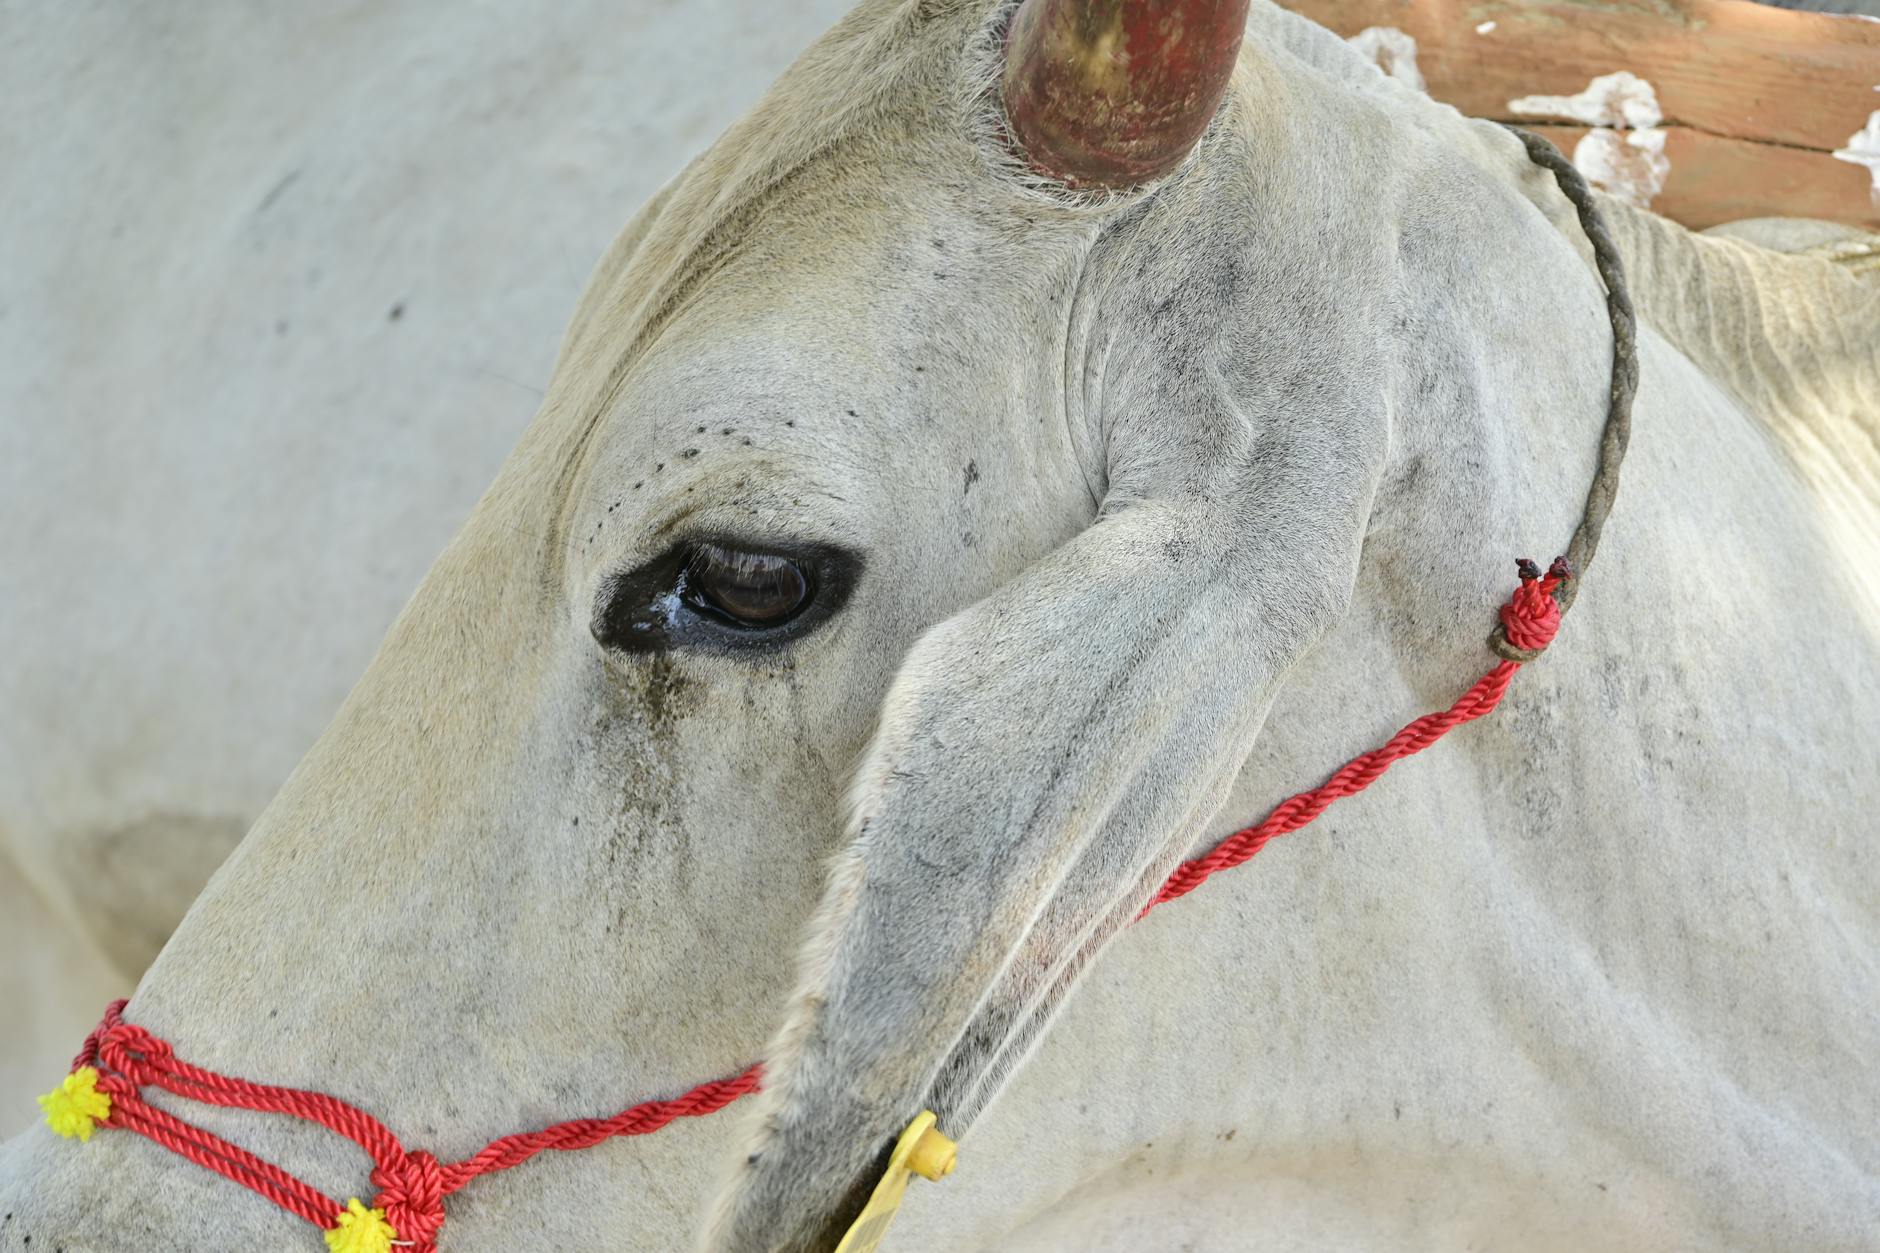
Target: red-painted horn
x=1113 y=93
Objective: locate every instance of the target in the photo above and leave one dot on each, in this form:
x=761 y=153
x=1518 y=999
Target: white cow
x=1060 y=531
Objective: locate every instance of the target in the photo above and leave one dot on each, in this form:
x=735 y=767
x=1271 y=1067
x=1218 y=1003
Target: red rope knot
x=1531 y=618
x=134 y=1053
x=411 y=1192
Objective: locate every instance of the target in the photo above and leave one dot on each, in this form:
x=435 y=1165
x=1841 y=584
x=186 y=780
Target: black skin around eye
x=724 y=594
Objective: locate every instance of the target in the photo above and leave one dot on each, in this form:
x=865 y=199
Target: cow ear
x=1042 y=761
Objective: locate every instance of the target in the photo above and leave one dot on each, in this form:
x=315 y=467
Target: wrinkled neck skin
x=515 y=882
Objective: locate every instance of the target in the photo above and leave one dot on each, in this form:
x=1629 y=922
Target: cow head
x=937 y=482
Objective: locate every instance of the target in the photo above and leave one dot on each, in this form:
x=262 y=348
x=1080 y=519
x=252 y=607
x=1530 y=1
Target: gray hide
x=1162 y=506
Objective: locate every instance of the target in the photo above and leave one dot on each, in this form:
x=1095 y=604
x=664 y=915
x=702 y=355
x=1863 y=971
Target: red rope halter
x=412 y=1184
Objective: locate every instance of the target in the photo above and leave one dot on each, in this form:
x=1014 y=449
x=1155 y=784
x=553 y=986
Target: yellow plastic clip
x=922 y=1151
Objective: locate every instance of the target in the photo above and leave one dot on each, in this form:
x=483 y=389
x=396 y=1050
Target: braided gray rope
x=1624 y=385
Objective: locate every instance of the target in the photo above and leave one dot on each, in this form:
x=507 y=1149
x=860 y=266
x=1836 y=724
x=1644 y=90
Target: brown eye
x=755 y=590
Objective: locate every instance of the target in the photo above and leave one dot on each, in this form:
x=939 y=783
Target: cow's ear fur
x=1042 y=762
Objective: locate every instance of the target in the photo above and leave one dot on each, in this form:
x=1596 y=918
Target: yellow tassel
x=76 y=1106
x=360 y=1230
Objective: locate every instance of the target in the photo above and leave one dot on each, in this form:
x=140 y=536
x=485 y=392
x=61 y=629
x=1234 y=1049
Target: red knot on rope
x=1531 y=618
x=411 y=1192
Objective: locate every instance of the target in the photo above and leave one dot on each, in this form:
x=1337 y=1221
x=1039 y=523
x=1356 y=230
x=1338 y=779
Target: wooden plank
x=1755 y=98
x=1715 y=179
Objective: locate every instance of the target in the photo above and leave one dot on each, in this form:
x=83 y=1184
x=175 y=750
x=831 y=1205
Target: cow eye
x=721 y=595
x=752 y=590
